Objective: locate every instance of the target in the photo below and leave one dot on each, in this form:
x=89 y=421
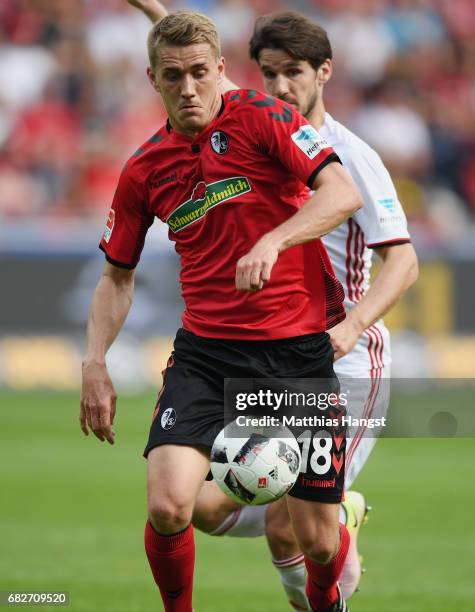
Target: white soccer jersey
x=381 y=221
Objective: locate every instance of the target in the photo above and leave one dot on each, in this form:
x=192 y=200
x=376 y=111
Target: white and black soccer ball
x=257 y=469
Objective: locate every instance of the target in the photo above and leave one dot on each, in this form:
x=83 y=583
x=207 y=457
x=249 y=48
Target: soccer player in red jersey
x=228 y=175
x=294 y=56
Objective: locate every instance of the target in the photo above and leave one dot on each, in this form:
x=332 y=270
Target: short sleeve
x=127 y=223
x=381 y=217
x=291 y=139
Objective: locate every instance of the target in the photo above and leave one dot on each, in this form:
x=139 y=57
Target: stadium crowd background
x=75 y=103
x=74 y=100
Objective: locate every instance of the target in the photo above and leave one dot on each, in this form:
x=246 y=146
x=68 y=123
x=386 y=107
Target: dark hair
x=293 y=33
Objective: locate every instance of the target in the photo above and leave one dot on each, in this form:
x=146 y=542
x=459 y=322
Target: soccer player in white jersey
x=295 y=58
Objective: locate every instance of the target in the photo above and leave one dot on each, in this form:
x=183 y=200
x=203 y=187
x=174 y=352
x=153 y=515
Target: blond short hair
x=181 y=29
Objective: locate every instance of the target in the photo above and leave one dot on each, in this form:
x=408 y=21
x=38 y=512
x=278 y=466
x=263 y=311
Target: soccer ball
x=257 y=469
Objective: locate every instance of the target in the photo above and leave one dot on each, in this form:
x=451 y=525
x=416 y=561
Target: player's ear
x=325 y=71
x=153 y=79
x=220 y=69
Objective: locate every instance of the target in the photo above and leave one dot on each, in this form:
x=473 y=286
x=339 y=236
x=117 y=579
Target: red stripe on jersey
x=170 y=363
x=361 y=265
x=381 y=345
x=370 y=349
x=355 y=246
x=355 y=262
x=373 y=345
x=375 y=350
x=355 y=439
x=348 y=260
x=367 y=412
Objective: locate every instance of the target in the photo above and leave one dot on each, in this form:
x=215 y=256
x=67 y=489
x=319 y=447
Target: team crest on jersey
x=109 y=225
x=204 y=197
x=168 y=419
x=219 y=142
x=309 y=141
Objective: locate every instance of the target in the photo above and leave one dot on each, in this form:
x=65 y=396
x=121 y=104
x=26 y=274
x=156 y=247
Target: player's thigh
x=316 y=527
x=175 y=474
x=212 y=507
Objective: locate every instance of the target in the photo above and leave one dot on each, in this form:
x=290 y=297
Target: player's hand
x=153 y=9
x=98 y=401
x=254 y=269
x=343 y=337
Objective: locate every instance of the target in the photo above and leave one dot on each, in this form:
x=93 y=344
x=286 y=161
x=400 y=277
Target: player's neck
x=316 y=117
x=213 y=113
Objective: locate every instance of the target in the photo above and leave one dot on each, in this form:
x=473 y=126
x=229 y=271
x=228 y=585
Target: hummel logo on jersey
x=204 y=197
x=155 y=183
x=220 y=142
x=309 y=141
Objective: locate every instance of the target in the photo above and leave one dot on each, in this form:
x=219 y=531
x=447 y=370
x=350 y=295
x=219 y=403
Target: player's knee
x=320 y=548
x=169 y=516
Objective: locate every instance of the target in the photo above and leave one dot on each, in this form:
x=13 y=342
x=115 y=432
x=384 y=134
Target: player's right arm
x=127 y=224
x=336 y=198
x=156 y=11
x=110 y=306
x=307 y=156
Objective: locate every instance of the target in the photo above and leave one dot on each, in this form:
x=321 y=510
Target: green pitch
x=72 y=514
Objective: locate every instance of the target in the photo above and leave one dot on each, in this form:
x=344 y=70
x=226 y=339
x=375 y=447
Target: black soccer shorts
x=190 y=409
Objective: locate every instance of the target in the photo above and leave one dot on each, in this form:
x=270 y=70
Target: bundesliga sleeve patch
x=309 y=141
x=109 y=225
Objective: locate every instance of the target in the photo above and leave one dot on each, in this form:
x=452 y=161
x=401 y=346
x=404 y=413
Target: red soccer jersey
x=245 y=174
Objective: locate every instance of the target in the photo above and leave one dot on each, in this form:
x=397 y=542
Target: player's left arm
x=384 y=226
x=397 y=273
x=335 y=199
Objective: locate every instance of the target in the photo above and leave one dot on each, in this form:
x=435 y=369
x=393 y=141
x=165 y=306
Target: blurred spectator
x=390 y=124
x=362 y=39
